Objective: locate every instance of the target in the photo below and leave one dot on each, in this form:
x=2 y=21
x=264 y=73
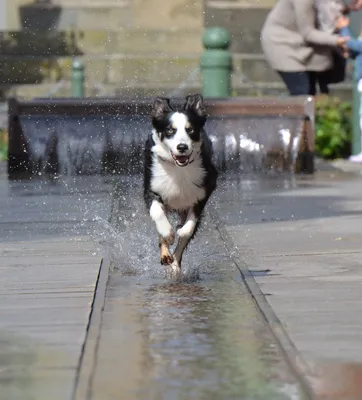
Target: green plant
x=3 y=145
x=333 y=128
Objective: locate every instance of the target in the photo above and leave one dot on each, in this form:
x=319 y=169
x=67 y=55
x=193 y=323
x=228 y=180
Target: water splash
x=94 y=145
x=129 y=237
x=191 y=79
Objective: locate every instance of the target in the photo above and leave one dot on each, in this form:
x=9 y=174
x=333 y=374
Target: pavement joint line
x=312 y=254
x=291 y=354
x=88 y=357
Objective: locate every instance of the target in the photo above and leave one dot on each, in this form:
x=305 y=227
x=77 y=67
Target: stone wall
x=130 y=46
x=105 y=14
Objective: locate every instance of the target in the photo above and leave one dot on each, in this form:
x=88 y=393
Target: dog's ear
x=161 y=106
x=195 y=103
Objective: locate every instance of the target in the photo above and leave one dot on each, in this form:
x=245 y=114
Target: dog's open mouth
x=181 y=161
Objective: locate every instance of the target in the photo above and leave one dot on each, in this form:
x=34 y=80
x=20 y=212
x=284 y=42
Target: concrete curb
x=338 y=165
x=294 y=359
x=88 y=357
x=3 y=167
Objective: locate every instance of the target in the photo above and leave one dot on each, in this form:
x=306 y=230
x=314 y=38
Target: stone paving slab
x=47 y=312
x=49 y=265
x=308 y=264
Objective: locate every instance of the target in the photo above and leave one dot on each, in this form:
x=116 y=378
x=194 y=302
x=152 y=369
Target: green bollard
x=77 y=78
x=356 y=130
x=355 y=26
x=216 y=63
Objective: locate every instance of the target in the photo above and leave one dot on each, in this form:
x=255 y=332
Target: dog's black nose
x=182 y=147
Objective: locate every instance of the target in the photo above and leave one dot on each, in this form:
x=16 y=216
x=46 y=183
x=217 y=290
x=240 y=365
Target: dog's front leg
x=164 y=228
x=185 y=233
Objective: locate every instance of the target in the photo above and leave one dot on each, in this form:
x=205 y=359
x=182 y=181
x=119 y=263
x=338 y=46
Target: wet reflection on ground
x=199 y=338
x=31 y=371
x=337 y=381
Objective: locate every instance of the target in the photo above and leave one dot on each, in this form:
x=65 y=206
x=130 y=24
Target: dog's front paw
x=175 y=268
x=166 y=257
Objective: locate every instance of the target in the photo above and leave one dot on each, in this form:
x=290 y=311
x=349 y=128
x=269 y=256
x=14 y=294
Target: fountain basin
x=94 y=136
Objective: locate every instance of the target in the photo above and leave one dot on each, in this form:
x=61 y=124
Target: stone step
x=344 y=91
x=240 y=3
x=131 y=69
x=113 y=69
x=121 y=41
x=256 y=68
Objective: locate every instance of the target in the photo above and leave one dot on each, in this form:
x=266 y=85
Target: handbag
x=337 y=73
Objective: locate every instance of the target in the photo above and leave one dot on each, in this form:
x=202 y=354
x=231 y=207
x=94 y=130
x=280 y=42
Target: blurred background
x=129 y=47
x=132 y=48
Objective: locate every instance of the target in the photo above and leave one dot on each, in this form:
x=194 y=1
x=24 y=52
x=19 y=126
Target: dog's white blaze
x=179 y=121
x=179 y=187
x=158 y=215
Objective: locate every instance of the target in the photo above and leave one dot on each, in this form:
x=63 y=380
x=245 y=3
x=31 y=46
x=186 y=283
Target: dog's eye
x=170 y=131
x=190 y=131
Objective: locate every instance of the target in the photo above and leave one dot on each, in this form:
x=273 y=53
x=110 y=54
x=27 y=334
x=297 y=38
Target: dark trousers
x=304 y=83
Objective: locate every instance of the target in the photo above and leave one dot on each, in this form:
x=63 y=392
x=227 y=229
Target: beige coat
x=290 y=40
x=328 y=12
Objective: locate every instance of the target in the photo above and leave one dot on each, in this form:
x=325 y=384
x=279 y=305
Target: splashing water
x=130 y=240
x=85 y=145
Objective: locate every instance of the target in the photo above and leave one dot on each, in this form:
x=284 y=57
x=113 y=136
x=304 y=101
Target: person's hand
x=342 y=22
x=355 y=5
x=341 y=43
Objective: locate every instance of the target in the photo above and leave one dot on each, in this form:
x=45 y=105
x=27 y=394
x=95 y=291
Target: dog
x=179 y=175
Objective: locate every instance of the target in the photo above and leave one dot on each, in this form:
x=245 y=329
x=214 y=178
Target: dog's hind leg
x=185 y=233
x=183 y=215
x=180 y=247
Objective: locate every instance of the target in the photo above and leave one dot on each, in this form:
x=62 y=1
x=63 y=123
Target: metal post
x=77 y=78
x=356 y=131
x=216 y=63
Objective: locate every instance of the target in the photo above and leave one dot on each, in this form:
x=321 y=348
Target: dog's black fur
x=170 y=126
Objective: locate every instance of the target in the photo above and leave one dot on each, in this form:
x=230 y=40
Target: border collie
x=179 y=175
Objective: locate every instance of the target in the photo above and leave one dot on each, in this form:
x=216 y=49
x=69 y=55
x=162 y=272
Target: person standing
x=295 y=48
x=328 y=12
x=355 y=47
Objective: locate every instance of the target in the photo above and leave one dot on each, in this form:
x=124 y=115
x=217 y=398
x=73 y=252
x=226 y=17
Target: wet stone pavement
x=299 y=241
x=274 y=267
x=201 y=337
x=48 y=271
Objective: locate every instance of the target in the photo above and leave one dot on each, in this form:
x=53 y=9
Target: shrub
x=333 y=128
x=3 y=145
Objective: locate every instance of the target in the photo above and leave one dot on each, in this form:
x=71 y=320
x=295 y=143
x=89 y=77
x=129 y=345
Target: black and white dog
x=179 y=175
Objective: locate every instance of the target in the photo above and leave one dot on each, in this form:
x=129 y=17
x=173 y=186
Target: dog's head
x=179 y=131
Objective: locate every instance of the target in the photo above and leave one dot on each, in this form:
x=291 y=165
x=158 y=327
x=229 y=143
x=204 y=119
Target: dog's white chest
x=179 y=187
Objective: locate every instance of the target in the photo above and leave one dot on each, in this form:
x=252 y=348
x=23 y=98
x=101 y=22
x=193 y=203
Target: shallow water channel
x=201 y=337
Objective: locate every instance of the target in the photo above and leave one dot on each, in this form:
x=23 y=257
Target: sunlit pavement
x=48 y=271
x=202 y=336
x=302 y=246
